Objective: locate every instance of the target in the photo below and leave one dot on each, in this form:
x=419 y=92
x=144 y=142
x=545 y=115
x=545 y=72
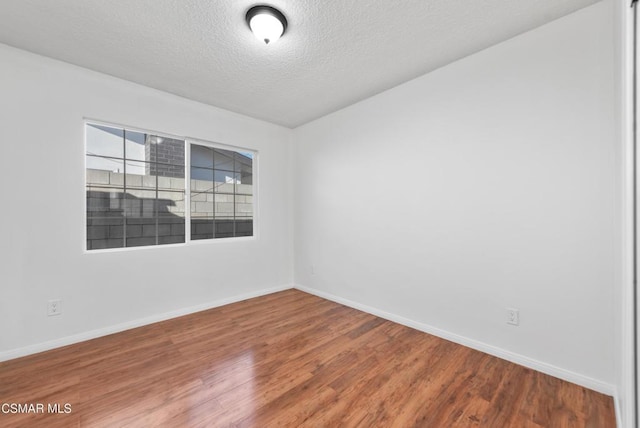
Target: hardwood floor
x=288 y=359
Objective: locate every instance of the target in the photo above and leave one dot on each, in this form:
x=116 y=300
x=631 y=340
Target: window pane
x=201 y=228
x=132 y=199
x=225 y=187
x=105 y=221
x=224 y=206
x=201 y=174
x=201 y=156
x=140 y=231
x=171 y=230
x=170 y=204
x=223 y=160
x=244 y=165
x=171 y=217
x=170 y=177
x=224 y=228
x=105 y=202
x=243 y=188
x=165 y=150
x=172 y=239
x=140 y=204
x=105 y=141
x=104 y=171
x=230 y=183
x=244 y=227
x=139 y=175
x=202 y=205
x=202 y=215
x=135 y=146
x=105 y=233
x=245 y=177
x=243 y=208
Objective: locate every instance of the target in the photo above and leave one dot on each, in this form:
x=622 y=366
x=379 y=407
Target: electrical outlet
x=54 y=307
x=312 y=269
x=513 y=316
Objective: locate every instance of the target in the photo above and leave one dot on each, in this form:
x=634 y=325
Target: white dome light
x=266 y=23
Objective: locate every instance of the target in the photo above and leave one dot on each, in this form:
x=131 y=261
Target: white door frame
x=627 y=399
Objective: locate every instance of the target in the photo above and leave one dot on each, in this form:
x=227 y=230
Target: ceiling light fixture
x=267 y=23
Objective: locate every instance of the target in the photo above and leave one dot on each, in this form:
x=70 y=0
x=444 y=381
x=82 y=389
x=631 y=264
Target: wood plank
x=294 y=360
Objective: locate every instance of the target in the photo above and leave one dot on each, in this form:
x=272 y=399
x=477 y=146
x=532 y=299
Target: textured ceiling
x=334 y=53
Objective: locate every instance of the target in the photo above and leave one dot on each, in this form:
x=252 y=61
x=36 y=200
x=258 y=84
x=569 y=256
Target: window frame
x=255 y=163
x=188 y=141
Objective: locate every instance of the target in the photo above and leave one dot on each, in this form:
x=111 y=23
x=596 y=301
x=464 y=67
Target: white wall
x=503 y=196
x=42 y=107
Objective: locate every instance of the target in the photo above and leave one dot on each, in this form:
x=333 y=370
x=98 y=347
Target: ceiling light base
x=268 y=24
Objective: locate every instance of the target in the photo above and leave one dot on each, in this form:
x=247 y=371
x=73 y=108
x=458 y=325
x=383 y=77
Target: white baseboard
x=522 y=360
x=549 y=369
x=617 y=409
x=81 y=337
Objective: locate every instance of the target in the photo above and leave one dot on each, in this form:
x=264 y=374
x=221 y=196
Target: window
x=221 y=193
x=136 y=192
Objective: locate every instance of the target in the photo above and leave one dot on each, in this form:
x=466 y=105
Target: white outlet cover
x=54 y=307
x=513 y=316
